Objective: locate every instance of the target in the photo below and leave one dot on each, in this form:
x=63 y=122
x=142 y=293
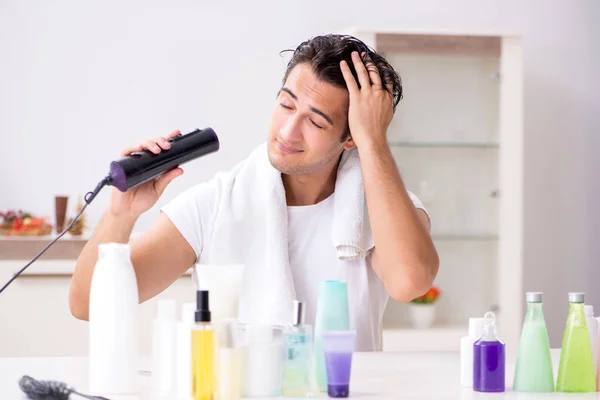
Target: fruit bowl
x=23 y=224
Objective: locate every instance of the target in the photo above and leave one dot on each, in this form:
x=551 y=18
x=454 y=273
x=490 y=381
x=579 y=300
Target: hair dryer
x=138 y=168
x=132 y=171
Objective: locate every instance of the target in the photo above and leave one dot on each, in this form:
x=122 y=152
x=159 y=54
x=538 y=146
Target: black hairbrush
x=50 y=390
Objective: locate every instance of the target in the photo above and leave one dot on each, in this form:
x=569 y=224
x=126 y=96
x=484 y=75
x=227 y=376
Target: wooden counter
x=27 y=247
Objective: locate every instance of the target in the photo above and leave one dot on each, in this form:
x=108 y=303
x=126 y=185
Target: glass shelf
x=408 y=328
x=464 y=236
x=458 y=145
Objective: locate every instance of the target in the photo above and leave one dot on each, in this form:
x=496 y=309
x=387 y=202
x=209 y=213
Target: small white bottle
x=592 y=325
x=262 y=363
x=113 y=323
x=466 y=350
x=183 y=366
x=229 y=361
x=163 y=347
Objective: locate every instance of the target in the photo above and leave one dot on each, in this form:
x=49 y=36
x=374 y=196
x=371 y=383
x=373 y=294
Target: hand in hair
x=371 y=105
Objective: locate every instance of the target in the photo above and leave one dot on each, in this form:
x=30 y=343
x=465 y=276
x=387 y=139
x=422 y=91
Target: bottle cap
x=188 y=311
x=165 y=309
x=489 y=328
x=588 y=310
x=576 y=297
x=299 y=309
x=476 y=327
x=534 y=297
x=202 y=313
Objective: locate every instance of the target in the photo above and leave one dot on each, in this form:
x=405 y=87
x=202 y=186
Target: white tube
x=184 y=351
x=163 y=347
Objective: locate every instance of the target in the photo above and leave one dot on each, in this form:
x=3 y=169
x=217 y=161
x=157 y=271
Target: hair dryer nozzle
x=138 y=168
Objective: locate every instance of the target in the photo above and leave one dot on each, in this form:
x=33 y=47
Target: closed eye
x=315 y=124
x=290 y=108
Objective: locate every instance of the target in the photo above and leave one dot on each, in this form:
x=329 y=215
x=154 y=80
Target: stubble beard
x=284 y=167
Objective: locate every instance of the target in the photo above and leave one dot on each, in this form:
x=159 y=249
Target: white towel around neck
x=250 y=227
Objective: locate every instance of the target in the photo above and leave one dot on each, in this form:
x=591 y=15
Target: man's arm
x=159 y=257
x=404 y=257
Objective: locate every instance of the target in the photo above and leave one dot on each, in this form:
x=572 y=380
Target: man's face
x=308 y=122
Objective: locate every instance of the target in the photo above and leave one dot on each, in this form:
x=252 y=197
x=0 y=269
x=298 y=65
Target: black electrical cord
x=88 y=199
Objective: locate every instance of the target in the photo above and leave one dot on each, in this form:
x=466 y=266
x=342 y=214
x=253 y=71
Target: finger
x=152 y=145
x=348 y=77
x=163 y=143
x=161 y=183
x=173 y=134
x=373 y=71
x=390 y=86
x=361 y=71
x=131 y=149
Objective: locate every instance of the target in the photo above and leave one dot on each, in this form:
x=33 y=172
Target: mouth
x=286 y=149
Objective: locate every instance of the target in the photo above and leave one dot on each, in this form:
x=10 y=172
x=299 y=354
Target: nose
x=291 y=130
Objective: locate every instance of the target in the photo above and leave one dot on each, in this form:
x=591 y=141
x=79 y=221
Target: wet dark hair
x=324 y=54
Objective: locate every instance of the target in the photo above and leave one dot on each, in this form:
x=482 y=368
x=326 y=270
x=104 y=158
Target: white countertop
x=383 y=375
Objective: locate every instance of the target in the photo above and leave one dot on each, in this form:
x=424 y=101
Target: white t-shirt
x=312 y=254
x=312 y=257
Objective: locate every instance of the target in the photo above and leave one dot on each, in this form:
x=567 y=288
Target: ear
x=349 y=143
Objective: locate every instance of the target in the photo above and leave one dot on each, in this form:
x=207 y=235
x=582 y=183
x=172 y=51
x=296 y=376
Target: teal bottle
x=533 y=371
x=332 y=315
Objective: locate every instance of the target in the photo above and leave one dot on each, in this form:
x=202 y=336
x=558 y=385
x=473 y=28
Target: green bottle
x=576 y=367
x=533 y=372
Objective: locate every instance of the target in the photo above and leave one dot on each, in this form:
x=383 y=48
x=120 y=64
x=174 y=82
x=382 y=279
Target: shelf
x=46 y=268
x=464 y=236
x=450 y=145
x=44 y=238
x=436 y=338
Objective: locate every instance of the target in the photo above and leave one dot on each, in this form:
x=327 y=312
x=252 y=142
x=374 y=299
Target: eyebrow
x=313 y=109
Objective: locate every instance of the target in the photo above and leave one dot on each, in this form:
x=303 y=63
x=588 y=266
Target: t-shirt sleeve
x=192 y=212
x=418 y=204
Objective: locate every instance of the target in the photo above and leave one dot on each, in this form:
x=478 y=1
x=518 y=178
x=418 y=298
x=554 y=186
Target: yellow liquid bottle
x=203 y=350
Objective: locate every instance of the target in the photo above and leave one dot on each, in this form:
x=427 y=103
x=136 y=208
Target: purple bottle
x=338 y=347
x=488 y=359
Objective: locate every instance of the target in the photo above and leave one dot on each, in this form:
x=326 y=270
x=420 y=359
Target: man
x=338 y=97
